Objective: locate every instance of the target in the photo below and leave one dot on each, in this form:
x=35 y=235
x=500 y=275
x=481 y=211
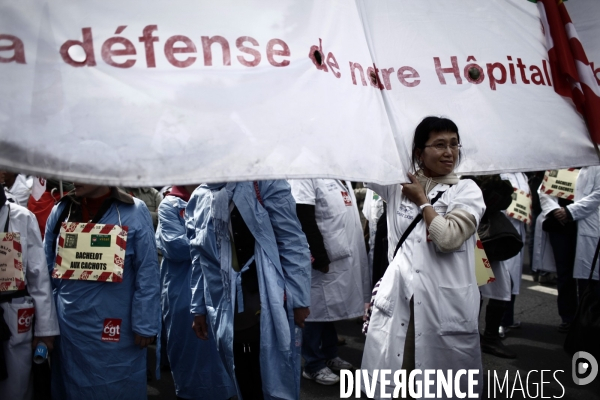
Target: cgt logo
x=347 y=199
x=585 y=368
x=112 y=330
x=24 y=319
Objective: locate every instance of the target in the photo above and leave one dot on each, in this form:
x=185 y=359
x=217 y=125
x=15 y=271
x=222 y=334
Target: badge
x=520 y=208
x=347 y=199
x=11 y=262
x=405 y=211
x=111 y=331
x=24 y=319
x=91 y=252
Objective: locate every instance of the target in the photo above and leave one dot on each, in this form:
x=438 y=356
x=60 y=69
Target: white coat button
x=419 y=303
x=402 y=324
x=418 y=271
x=419 y=334
x=418 y=240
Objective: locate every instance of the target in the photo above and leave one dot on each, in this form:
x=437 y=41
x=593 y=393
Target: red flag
x=572 y=73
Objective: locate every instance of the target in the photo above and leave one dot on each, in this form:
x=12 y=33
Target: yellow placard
x=483 y=268
x=92 y=252
x=11 y=262
x=560 y=183
x=520 y=208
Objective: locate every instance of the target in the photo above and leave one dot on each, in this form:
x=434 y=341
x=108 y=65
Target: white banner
x=154 y=93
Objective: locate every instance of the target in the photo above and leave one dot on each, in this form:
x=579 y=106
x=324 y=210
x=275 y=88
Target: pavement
x=537 y=343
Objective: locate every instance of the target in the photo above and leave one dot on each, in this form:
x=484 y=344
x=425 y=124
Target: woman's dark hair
x=427 y=126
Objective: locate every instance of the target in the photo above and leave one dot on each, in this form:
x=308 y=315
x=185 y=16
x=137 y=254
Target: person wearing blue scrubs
x=250 y=282
x=197 y=369
x=85 y=365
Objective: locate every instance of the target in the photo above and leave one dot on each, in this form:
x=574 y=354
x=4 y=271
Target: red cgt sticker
x=347 y=199
x=112 y=330
x=24 y=319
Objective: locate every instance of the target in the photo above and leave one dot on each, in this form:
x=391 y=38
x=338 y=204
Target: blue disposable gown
x=84 y=366
x=197 y=369
x=283 y=266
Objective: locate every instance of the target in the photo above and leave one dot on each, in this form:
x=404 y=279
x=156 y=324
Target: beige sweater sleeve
x=452 y=230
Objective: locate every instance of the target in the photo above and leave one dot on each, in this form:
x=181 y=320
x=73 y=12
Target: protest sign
x=91 y=252
x=560 y=183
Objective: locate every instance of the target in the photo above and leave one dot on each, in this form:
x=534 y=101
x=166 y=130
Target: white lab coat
x=543 y=256
x=21 y=189
x=515 y=265
x=511 y=269
x=500 y=288
x=444 y=287
x=586 y=211
x=342 y=292
x=372 y=210
x=17 y=349
x=394 y=209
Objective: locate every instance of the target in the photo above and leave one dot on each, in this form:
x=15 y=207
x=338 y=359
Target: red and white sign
x=483 y=268
x=111 y=331
x=11 y=262
x=347 y=199
x=520 y=207
x=91 y=252
x=24 y=319
x=560 y=183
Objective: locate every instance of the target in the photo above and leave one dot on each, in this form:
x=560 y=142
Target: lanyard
x=342 y=184
x=7 y=218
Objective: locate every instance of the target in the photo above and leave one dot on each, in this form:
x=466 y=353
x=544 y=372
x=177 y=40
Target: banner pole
x=60 y=187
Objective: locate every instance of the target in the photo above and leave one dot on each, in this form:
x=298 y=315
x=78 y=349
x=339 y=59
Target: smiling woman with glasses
x=425 y=308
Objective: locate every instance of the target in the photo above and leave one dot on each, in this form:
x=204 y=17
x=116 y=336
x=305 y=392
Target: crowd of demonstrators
x=248 y=278
x=340 y=283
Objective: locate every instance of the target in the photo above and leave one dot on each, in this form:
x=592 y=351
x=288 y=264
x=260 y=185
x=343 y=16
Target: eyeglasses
x=443 y=146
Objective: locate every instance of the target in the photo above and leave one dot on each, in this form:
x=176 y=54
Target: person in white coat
x=18 y=186
x=498 y=196
x=425 y=313
x=32 y=301
x=340 y=277
x=586 y=211
x=555 y=252
x=515 y=264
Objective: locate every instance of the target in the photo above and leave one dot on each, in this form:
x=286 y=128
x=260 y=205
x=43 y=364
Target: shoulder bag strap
x=258 y=196
x=7 y=218
x=417 y=219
